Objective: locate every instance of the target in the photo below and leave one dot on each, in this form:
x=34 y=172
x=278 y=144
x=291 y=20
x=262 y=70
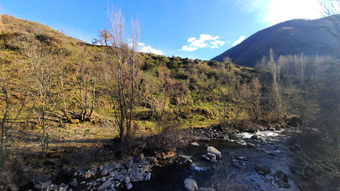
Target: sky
x=199 y=29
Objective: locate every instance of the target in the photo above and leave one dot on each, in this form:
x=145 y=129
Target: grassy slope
x=201 y=79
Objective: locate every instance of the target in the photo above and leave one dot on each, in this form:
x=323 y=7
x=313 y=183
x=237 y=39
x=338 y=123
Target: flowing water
x=244 y=152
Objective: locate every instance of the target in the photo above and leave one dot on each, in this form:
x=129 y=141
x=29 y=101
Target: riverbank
x=83 y=168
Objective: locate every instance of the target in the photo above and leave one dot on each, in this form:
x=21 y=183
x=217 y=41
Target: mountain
x=309 y=37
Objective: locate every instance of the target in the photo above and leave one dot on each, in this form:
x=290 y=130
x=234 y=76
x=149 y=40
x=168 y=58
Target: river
x=234 y=171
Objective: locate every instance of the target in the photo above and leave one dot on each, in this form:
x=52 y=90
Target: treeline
x=309 y=86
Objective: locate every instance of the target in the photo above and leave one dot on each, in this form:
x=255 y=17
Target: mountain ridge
x=293 y=37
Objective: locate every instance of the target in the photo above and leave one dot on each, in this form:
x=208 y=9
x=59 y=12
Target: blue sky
x=188 y=28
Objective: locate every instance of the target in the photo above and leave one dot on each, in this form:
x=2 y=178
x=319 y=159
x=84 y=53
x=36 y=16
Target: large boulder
x=190 y=184
x=214 y=151
x=254 y=137
x=281 y=176
x=262 y=169
x=136 y=177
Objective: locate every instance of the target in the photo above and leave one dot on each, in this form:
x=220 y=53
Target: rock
x=250 y=145
x=166 y=155
x=205 y=157
x=123 y=172
x=203 y=139
x=188 y=161
x=271 y=153
x=105 y=185
x=94 y=183
x=151 y=159
x=148 y=177
x=88 y=174
x=283 y=184
x=211 y=156
x=190 y=184
x=254 y=137
x=214 y=151
x=262 y=169
x=281 y=176
x=120 y=177
x=129 y=186
x=103 y=179
x=136 y=177
x=195 y=144
x=74 y=183
x=206 y=189
x=104 y=172
x=117 y=184
x=44 y=185
x=127 y=180
x=237 y=164
x=112 y=174
x=139 y=158
x=242 y=158
x=226 y=138
x=129 y=163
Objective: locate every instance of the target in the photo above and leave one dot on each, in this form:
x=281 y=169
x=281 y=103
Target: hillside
x=293 y=37
x=188 y=90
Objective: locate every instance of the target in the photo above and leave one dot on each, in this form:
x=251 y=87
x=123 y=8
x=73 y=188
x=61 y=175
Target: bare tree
x=122 y=61
x=275 y=97
x=276 y=94
x=331 y=9
x=12 y=97
x=43 y=63
x=87 y=77
x=163 y=75
x=255 y=99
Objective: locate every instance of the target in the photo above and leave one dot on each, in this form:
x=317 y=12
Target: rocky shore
x=123 y=174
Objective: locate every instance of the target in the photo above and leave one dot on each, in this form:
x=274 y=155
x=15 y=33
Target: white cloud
x=188 y=48
x=204 y=41
x=149 y=49
x=191 y=39
x=141 y=44
x=275 y=11
x=239 y=40
x=217 y=43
